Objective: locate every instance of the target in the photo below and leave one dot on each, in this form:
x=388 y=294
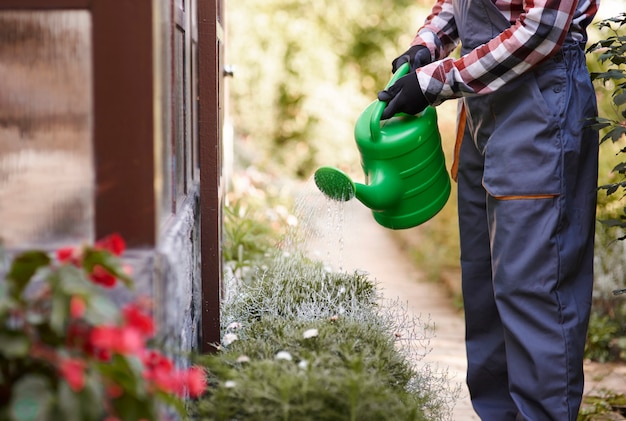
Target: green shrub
x=303 y=343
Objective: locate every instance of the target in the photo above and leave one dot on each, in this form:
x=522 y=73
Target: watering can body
x=406 y=181
x=405 y=174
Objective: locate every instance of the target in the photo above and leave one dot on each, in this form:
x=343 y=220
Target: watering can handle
x=380 y=105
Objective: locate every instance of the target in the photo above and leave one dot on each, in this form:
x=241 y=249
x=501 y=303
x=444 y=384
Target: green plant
x=68 y=352
x=604 y=406
x=302 y=343
x=611 y=81
x=602 y=331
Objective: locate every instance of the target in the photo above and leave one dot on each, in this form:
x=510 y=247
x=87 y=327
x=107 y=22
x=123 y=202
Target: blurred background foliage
x=305 y=70
x=303 y=73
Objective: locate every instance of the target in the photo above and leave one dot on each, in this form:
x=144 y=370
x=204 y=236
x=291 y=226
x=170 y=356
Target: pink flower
x=73 y=371
x=101 y=276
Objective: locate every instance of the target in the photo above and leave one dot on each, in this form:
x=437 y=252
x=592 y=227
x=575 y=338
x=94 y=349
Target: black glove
x=404 y=96
x=417 y=56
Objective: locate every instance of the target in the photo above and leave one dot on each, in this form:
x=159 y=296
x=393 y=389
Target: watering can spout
x=383 y=191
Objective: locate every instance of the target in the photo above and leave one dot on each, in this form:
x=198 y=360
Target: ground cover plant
x=300 y=342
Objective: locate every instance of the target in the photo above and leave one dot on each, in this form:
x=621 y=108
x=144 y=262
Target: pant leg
x=487 y=375
x=537 y=251
x=542 y=251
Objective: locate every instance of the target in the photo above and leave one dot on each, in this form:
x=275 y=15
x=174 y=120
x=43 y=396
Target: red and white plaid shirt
x=538 y=29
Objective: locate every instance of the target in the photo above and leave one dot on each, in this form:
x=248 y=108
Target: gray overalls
x=527 y=179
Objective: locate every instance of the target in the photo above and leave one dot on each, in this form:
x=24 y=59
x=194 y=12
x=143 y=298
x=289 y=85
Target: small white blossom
x=311 y=333
x=229 y=338
x=234 y=326
x=283 y=355
x=230 y=384
x=303 y=364
x=243 y=359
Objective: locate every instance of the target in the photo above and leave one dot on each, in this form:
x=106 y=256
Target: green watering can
x=404 y=166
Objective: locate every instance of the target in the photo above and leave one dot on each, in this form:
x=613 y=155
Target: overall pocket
x=517 y=129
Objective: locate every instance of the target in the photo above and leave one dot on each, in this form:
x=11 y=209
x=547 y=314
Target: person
x=526 y=165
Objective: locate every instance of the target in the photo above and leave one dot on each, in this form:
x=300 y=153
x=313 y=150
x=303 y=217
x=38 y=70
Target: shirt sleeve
x=536 y=34
x=439 y=32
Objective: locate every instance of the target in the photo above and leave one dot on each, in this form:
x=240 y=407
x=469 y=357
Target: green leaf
x=92 y=396
x=69 y=404
x=14 y=344
x=60 y=312
x=32 y=399
x=620 y=98
x=72 y=281
x=617 y=133
x=24 y=267
x=101 y=309
x=127 y=372
x=172 y=401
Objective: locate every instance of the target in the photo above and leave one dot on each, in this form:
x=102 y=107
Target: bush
x=68 y=352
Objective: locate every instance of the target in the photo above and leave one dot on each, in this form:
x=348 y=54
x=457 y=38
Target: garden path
x=362 y=244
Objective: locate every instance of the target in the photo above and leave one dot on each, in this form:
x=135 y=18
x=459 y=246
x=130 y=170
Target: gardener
x=527 y=175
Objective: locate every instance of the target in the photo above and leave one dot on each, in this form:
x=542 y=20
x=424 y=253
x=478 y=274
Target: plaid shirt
x=538 y=29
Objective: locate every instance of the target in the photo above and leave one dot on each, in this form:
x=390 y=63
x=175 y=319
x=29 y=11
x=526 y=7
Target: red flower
x=160 y=371
x=196 y=381
x=77 y=307
x=73 y=371
x=113 y=243
x=114 y=391
x=138 y=320
x=122 y=340
x=65 y=254
x=101 y=276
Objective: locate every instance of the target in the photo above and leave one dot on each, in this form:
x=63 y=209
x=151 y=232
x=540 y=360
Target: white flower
x=311 y=333
x=229 y=338
x=234 y=326
x=283 y=355
x=243 y=359
x=292 y=220
x=230 y=384
x=303 y=364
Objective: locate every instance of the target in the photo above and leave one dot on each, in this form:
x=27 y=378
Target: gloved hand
x=404 y=96
x=417 y=56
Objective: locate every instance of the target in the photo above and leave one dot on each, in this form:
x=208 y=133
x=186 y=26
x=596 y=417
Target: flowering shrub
x=68 y=352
